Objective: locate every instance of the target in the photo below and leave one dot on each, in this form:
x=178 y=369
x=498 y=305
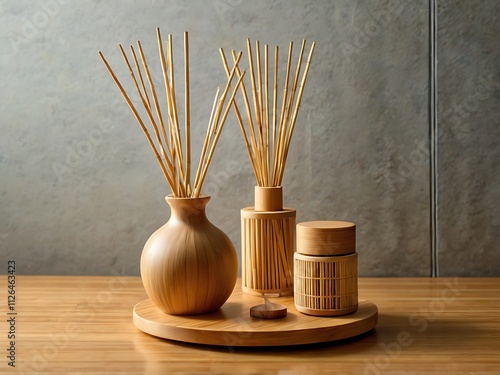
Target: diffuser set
x=189 y=266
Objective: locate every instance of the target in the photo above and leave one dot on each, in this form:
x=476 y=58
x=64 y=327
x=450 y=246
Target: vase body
x=189 y=266
x=267 y=244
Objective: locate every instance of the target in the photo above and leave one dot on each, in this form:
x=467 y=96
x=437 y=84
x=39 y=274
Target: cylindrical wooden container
x=326 y=268
x=267 y=244
x=326 y=286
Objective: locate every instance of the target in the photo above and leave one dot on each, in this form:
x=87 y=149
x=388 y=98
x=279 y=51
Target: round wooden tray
x=232 y=325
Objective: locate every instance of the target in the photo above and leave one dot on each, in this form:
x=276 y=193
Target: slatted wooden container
x=326 y=268
x=326 y=286
x=267 y=245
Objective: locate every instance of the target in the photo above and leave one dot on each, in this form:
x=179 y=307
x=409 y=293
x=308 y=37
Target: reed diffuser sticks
x=172 y=152
x=267 y=134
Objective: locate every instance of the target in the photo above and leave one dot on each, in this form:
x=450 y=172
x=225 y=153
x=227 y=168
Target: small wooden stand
x=268 y=310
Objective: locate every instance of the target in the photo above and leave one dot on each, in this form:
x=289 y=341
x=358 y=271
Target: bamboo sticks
x=187 y=106
x=268 y=139
x=171 y=149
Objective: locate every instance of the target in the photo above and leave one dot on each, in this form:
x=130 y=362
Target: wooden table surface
x=72 y=325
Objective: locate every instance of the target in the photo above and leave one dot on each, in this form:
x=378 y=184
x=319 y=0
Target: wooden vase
x=267 y=244
x=189 y=266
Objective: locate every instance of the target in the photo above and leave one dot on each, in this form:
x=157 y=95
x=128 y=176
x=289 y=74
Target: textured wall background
x=80 y=191
x=469 y=152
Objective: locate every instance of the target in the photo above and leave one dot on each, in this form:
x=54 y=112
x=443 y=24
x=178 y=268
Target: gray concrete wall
x=359 y=153
x=469 y=152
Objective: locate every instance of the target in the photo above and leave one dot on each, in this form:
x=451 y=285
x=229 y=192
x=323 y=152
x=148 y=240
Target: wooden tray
x=232 y=325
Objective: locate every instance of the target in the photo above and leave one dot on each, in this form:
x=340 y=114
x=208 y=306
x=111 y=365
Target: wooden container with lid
x=326 y=268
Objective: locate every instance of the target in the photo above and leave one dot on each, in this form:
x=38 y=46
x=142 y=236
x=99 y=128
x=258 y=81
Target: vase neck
x=268 y=198
x=188 y=210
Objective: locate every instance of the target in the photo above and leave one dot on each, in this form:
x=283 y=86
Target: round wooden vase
x=189 y=266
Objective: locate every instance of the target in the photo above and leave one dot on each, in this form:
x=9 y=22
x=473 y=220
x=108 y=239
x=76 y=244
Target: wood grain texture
x=233 y=324
x=75 y=325
x=189 y=266
x=326 y=237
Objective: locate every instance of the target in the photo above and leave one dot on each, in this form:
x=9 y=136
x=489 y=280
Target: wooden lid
x=326 y=238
